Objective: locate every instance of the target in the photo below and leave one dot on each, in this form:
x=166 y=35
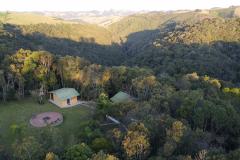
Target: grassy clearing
x=20 y=112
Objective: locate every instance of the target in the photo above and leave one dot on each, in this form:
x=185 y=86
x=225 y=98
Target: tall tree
x=3 y=85
x=78 y=152
x=27 y=149
x=136 y=143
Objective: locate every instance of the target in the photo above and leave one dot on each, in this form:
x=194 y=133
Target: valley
x=157 y=85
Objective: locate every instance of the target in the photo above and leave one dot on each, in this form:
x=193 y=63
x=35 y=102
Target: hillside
x=75 y=32
x=89 y=41
x=209 y=47
x=26 y=18
x=101 y=18
x=230 y=12
x=153 y=20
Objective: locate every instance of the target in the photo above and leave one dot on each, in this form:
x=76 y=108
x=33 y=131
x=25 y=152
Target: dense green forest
x=182 y=69
x=209 y=47
x=62 y=39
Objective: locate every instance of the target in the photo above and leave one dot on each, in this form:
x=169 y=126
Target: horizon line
x=122 y=10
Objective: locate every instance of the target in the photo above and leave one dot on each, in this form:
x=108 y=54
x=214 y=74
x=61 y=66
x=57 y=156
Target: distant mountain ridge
x=101 y=18
x=113 y=19
x=108 y=17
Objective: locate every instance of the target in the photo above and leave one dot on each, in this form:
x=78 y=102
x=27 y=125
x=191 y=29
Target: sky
x=130 y=5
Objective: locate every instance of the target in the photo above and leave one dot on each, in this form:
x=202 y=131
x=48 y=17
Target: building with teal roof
x=121 y=97
x=64 y=97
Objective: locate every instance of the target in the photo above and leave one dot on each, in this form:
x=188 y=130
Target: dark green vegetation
x=91 y=42
x=181 y=68
x=209 y=47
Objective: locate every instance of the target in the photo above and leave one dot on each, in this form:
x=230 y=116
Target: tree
x=101 y=144
x=41 y=95
x=192 y=76
x=28 y=148
x=160 y=98
x=168 y=148
x=177 y=130
x=43 y=70
x=89 y=131
x=102 y=156
x=234 y=155
x=104 y=105
x=18 y=67
x=136 y=143
x=144 y=86
x=201 y=155
x=36 y=68
x=51 y=140
x=3 y=85
x=103 y=101
x=78 y=152
x=216 y=83
x=51 y=156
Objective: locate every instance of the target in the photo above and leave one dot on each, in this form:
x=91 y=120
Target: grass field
x=23 y=18
x=20 y=112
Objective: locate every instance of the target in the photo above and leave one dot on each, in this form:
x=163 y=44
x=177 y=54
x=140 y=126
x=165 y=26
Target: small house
x=121 y=97
x=64 y=97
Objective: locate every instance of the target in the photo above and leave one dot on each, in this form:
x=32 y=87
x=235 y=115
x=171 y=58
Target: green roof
x=121 y=97
x=66 y=93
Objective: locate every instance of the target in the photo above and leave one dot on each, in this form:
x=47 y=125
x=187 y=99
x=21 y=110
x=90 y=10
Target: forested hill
x=206 y=31
x=89 y=41
x=208 y=47
x=76 y=32
x=201 y=40
x=155 y=20
x=151 y=21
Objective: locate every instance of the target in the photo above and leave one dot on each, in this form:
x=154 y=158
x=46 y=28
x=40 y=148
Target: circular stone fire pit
x=46 y=118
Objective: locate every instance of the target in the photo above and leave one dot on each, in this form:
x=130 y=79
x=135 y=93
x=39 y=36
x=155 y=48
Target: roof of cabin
x=65 y=93
x=121 y=97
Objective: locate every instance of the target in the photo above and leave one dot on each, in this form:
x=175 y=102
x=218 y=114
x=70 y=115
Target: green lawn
x=20 y=112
